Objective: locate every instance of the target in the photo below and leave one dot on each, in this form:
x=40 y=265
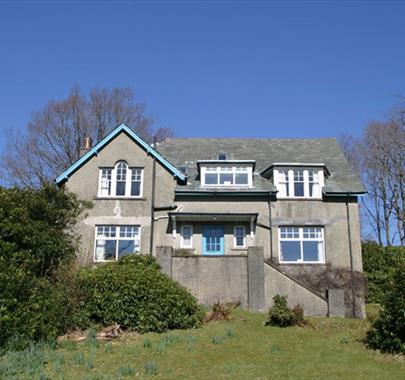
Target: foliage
x=379 y=264
x=281 y=315
x=388 y=330
x=220 y=311
x=136 y=294
x=35 y=243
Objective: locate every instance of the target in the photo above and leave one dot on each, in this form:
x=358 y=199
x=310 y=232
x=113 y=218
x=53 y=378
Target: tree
x=55 y=134
x=379 y=158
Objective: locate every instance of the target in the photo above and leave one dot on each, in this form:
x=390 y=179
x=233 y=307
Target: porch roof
x=213 y=217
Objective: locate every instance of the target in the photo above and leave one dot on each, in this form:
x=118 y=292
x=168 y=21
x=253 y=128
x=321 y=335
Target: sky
x=210 y=69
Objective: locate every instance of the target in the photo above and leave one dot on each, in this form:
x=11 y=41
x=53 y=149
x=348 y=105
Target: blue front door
x=213 y=240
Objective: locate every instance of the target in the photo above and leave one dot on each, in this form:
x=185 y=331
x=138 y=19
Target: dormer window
x=299 y=182
x=222 y=156
x=226 y=176
x=120 y=181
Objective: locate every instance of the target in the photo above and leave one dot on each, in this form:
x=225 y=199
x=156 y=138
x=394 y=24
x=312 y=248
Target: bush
x=280 y=314
x=379 y=265
x=136 y=294
x=388 y=330
x=35 y=242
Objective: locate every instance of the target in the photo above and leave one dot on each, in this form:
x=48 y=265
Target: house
x=237 y=220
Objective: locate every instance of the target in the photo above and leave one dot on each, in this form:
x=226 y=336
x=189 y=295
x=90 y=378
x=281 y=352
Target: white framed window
x=299 y=183
x=239 y=237
x=186 y=237
x=301 y=245
x=105 y=182
x=113 y=242
x=120 y=181
x=226 y=176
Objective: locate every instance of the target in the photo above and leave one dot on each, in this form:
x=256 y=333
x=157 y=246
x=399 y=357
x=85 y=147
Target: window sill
x=239 y=249
x=299 y=198
x=120 y=198
x=302 y=263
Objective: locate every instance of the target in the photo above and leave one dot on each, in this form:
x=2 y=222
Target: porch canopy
x=213 y=217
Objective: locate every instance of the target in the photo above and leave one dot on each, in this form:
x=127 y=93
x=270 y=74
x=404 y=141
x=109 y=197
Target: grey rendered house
x=237 y=220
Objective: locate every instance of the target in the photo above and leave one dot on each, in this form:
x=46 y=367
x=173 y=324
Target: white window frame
x=228 y=169
x=117 y=238
x=128 y=182
x=301 y=239
x=182 y=241
x=235 y=240
x=281 y=185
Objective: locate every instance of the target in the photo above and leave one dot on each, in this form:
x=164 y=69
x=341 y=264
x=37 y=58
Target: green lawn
x=243 y=348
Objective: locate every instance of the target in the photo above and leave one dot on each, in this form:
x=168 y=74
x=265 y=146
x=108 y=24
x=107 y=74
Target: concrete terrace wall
x=236 y=278
x=278 y=283
x=212 y=279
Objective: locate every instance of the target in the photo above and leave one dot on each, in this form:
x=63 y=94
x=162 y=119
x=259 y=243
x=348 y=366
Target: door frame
x=221 y=227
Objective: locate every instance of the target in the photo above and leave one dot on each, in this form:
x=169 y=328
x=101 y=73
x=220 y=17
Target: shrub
x=281 y=315
x=388 y=330
x=379 y=265
x=136 y=294
x=35 y=242
x=220 y=312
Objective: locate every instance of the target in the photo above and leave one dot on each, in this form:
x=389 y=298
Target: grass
x=330 y=348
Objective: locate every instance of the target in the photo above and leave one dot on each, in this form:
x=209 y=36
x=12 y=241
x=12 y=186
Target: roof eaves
x=121 y=128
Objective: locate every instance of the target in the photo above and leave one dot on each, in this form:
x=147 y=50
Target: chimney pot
x=86 y=146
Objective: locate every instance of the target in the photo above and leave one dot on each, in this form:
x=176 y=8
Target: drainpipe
x=349 y=234
x=270 y=231
x=152 y=201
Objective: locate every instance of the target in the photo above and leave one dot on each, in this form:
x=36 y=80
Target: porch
x=213 y=234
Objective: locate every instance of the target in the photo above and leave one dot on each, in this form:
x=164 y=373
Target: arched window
x=120 y=181
x=121 y=178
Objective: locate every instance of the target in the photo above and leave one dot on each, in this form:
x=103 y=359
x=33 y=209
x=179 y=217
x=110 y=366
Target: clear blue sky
x=254 y=69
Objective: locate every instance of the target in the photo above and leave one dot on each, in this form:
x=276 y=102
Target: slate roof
x=185 y=152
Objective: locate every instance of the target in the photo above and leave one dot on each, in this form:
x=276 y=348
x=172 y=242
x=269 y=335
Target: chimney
x=86 y=146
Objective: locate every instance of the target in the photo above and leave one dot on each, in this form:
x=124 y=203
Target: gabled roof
x=122 y=128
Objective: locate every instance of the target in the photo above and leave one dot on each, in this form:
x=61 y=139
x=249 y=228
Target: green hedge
x=136 y=294
x=379 y=265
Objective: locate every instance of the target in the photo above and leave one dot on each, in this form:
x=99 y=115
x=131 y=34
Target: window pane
x=129 y=231
x=299 y=189
x=241 y=179
x=135 y=188
x=105 y=249
x=120 y=188
x=126 y=247
x=226 y=178
x=311 y=251
x=121 y=171
x=290 y=250
x=106 y=231
x=289 y=232
x=240 y=241
x=211 y=179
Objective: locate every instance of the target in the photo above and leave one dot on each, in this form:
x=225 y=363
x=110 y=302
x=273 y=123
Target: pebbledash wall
x=226 y=278
x=246 y=280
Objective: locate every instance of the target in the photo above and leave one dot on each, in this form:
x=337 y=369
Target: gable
x=104 y=142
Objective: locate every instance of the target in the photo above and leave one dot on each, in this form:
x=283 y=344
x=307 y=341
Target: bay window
x=120 y=181
x=301 y=245
x=112 y=242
